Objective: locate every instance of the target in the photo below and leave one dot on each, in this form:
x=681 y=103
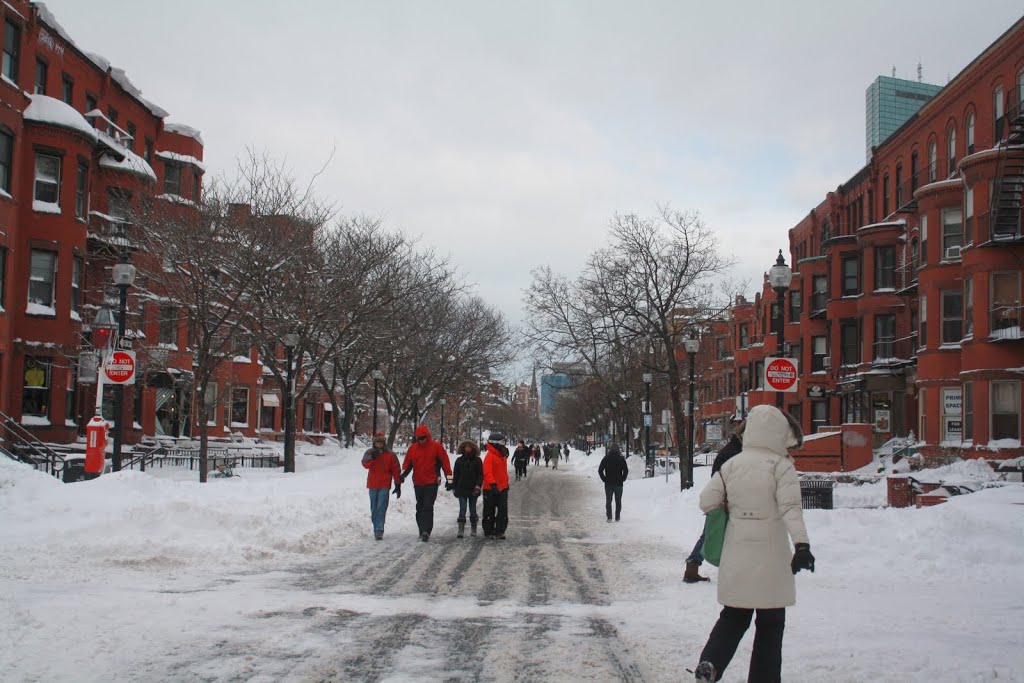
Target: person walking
x=565 y=452
x=382 y=466
x=696 y=558
x=556 y=455
x=496 y=487
x=547 y=454
x=519 y=460
x=426 y=459
x=613 y=472
x=467 y=481
x=536 y=455
x=760 y=490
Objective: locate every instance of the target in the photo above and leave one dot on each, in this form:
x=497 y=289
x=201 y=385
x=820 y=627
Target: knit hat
x=496 y=437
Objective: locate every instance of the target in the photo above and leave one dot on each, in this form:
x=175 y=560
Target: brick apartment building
x=78 y=144
x=905 y=307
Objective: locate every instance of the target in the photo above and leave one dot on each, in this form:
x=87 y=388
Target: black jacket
x=468 y=473
x=613 y=470
x=522 y=455
x=730 y=449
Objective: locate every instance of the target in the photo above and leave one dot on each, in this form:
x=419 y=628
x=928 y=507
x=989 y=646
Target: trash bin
x=816 y=494
x=74 y=469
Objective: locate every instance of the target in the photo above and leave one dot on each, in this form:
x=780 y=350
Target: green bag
x=714 y=531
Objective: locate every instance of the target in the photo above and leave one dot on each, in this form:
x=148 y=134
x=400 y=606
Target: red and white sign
x=119 y=367
x=780 y=374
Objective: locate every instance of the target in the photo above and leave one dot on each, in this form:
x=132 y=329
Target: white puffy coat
x=764 y=513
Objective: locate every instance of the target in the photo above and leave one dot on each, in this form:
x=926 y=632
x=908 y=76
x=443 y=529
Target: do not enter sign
x=780 y=374
x=119 y=368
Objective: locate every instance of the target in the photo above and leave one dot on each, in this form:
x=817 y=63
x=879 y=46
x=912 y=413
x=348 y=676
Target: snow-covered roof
x=187 y=131
x=182 y=159
x=50 y=110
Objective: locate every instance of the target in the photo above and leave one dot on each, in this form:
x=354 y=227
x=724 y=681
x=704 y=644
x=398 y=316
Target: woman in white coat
x=760 y=490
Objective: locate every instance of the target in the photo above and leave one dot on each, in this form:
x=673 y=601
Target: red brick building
x=79 y=144
x=905 y=306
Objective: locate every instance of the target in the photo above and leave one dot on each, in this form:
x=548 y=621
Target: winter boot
x=462 y=527
x=472 y=527
x=691 y=575
x=705 y=673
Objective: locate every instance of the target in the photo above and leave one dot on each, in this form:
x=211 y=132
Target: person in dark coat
x=733 y=446
x=467 y=481
x=519 y=459
x=613 y=472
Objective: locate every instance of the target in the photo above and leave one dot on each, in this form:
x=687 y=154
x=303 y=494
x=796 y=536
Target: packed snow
x=55 y=112
x=119 y=578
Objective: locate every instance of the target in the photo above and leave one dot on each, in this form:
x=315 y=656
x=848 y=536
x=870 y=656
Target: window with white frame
x=819 y=415
x=952 y=316
x=240 y=407
x=968 y=236
x=819 y=352
x=922 y=332
x=41 y=279
x=885 y=336
x=933 y=161
x=952 y=234
x=952 y=414
x=1005 y=410
x=47 y=181
x=885 y=268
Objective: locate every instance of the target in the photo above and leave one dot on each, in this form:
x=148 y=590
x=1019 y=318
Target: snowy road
x=538 y=606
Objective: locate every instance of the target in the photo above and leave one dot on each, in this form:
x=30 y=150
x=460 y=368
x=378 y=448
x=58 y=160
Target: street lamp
x=377 y=377
x=124 y=276
x=692 y=346
x=625 y=418
x=442 y=401
x=290 y=341
x=779 y=277
x=648 y=418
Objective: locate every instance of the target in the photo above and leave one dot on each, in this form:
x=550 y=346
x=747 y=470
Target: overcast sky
x=507 y=133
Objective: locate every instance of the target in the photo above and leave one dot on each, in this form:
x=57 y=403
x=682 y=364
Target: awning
x=271 y=401
x=328 y=407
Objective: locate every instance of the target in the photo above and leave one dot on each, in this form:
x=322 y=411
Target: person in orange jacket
x=426 y=459
x=383 y=467
x=496 y=487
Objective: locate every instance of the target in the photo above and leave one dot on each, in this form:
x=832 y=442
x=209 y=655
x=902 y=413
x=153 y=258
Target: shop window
x=240 y=407
x=12 y=50
x=35 y=396
x=1005 y=410
x=47 y=180
x=42 y=275
x=952 y=414
x=885 y=268
x=952 y=316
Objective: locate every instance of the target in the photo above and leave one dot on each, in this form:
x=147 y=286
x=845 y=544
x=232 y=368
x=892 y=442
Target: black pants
x=520 y=469
x=425 y=497
x=766 y=659
x=610 y=491
x=495 y=512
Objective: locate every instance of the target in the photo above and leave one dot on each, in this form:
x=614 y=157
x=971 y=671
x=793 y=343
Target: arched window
x=951 y=149
x=998 y=111
x=969 y=125
x=933 y=161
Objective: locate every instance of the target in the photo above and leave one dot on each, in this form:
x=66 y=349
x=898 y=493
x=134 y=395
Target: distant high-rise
x=889 y=102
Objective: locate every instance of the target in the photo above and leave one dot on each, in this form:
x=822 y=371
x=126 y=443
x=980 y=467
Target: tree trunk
x=678 y=417
x=347 y=426
x=203 y=438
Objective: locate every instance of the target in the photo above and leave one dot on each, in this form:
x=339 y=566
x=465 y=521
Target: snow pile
x=52 y=111
x=182 y=159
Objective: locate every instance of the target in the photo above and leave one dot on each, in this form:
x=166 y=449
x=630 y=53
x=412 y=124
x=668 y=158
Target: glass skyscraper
x=889 y=102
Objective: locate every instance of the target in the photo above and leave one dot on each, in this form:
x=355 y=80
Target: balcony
x=892 y=351
x=1005 y=323
x=110 y=230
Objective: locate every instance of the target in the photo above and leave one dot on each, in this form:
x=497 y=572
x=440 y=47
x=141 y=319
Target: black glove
x=449 y=486
x=802 y=558
x=398 y=491
x=404 y=475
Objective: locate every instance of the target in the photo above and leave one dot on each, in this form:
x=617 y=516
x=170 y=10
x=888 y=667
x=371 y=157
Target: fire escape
x=1008 y=186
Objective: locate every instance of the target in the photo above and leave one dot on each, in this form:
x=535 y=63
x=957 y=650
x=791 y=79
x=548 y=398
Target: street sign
x=119 y=368
x=648 y=420
x=780 y=374
x=125 y=344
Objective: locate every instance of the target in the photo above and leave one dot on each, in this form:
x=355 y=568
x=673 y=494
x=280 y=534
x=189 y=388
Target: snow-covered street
x=268 y=577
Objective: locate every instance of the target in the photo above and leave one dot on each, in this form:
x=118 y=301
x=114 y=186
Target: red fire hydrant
x=95 y=446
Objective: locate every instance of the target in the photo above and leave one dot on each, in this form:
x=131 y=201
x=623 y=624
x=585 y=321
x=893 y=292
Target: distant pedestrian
x=565 y=452
x=496 y=487
x=519 y=460
x=696 y=558
x=467 y=482
x=536 y=455
x=556 y=455
x=547 y=454
x=613 y=472
x=761 y=492
x=383 y=468
x=427 y=459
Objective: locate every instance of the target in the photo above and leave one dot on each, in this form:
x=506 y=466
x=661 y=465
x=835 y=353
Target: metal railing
x=1005 y=320
x=894 y=350
x=20 y=444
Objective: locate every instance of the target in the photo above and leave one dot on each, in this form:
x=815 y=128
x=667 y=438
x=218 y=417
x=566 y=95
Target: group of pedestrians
x=427 y=460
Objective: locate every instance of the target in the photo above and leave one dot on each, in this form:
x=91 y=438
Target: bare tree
x=656 y=283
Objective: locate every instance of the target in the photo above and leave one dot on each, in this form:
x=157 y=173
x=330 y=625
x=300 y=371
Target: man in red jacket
x=427 y=459
x=383 y=467
x=496 y=487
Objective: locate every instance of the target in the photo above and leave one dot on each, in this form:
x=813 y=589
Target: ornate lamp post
x=290 y=341
x=692 y=346
x=648 y=418
x=625 y=418
x=779 y=277
x=124 y=276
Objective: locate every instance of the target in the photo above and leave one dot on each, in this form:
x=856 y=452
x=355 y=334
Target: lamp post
x=625 y=418
x=124 y=276
x=686 y=473
x=779 y=277
x=377 y=377
x=442 y=401
x=290 y=341
x=648 y=418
